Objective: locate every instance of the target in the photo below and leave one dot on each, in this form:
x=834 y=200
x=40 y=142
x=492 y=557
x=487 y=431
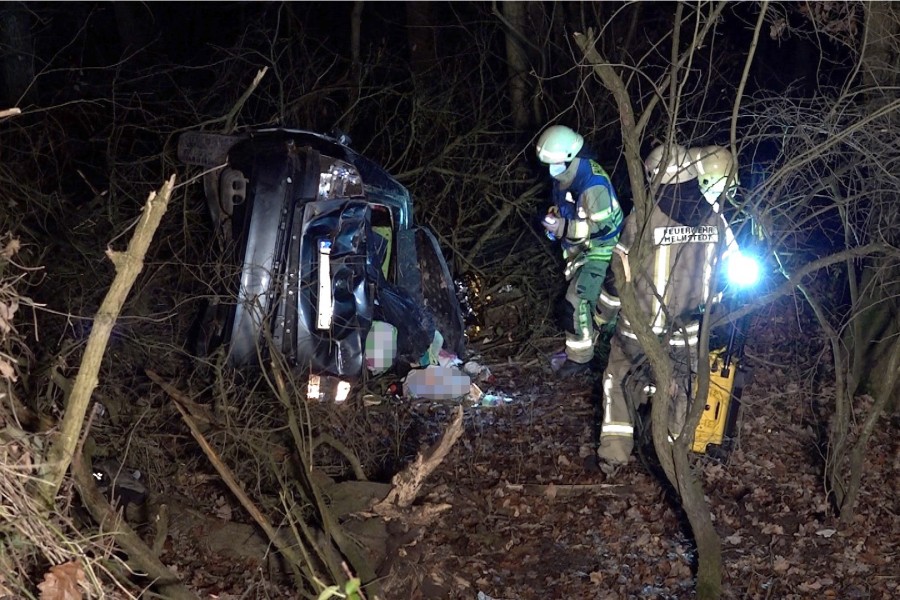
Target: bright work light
x=742 y=270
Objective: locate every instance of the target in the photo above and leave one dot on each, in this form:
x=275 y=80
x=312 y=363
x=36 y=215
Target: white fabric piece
x=437 y=383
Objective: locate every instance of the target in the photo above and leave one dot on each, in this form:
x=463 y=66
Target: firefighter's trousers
x=581 y=297
x=628 y=384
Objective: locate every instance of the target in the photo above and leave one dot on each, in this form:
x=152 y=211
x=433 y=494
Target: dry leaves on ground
x=63 y=582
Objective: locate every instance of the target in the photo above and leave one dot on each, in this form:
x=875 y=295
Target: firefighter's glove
x=555 y=225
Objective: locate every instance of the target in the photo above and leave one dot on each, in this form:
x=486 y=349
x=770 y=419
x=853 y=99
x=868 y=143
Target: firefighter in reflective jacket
x=689 y=238
x=587 y=219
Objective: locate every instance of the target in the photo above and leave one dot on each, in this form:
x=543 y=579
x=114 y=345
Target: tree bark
x=881 y=50
x=709 y=546
x=516 y=63
x=858 y=454
x=355 y=32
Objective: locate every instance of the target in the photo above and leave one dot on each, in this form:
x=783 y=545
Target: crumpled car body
x=323 y=244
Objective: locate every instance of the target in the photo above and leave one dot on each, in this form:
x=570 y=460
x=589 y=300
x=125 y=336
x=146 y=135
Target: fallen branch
x=408 y=482
x=554 y=490
x=411 y=516
x=291 y=557
x=128 y=266
x=140 y=556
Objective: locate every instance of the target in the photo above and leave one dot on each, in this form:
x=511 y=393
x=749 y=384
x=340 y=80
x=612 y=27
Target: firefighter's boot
x=571 y=369
x=615 y=450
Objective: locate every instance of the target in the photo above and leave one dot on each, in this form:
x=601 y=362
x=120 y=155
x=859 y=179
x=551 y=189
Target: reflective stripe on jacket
x=675 y=280
x=597 y=217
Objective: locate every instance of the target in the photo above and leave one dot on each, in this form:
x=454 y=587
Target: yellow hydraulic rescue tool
x=719 y=418
x=716 y=431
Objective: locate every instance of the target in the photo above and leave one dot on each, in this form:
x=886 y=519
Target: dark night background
x=128 y=76
x=116 y=81
x=106 y=88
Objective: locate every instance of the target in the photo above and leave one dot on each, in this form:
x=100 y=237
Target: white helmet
x=558 y=144
x=714 y=165
x=678 y=168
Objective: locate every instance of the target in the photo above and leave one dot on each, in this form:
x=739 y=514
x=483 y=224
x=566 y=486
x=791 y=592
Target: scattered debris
x=436 y=382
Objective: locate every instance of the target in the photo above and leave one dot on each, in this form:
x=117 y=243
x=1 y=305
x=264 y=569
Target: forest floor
x=528 y=518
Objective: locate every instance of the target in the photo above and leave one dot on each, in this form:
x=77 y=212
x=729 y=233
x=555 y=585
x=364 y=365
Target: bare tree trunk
x=633 y=25
x=18 y=58
x=709 y=547
x=537 y=20
x=420 y=36
x=516 y=62
x=355 y=52
x=843 y=403
x=132 y=23
x=673 y=458
x=858 y=454
x=355 y=29
x=875 y=310
x=881 y=50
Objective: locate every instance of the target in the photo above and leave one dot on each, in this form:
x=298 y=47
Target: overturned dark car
x=327 y=265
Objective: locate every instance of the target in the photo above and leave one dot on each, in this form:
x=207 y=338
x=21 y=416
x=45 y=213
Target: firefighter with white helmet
x=716 y=173
x=672 y=285
x=675 y=161
x=587 y=219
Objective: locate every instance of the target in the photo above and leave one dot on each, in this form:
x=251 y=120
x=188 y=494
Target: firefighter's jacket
x=585 y=197
x=673 y=284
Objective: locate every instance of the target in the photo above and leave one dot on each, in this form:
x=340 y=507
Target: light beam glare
x=742 y=270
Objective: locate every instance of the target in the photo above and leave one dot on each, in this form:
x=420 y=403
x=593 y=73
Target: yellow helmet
x=714 y=165
x=678 y=168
